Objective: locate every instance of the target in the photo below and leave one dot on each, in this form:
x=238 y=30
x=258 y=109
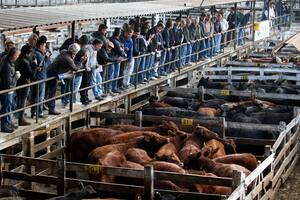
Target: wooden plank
x=258 y=188
x=281 y=136
x=259 y=169
x=286 y=146
x=113 y=171
x=29 y=177
x=111 y=187
x=286 y=162
x=53 y=154
x=28 y=161
x=45 y=144
x=208 y=180
x=290 y=169
x=251 y=141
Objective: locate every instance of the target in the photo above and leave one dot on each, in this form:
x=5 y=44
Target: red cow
x=139 y=156
x=246 y=160
x=213 y=149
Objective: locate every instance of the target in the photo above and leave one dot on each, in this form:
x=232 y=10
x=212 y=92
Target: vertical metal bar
x=152 y=20
x=136 y=73
x=73 y=31
x=36 y=3
x=37 y=102
x=236 y=27
x=1 y=165
x=149 y=182
x=253 y=19
x=179 y=58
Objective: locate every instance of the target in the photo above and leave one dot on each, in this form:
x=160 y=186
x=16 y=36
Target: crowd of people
x=134 y=54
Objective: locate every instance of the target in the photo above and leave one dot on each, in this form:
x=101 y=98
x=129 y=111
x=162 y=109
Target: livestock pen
x=278 y=162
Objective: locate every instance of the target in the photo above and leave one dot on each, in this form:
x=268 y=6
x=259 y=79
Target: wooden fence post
x=238 y=179
x=149 y=182
x=139 y=118
x=60 y=167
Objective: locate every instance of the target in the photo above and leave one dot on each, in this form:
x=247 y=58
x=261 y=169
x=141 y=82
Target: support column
x=236 y=27
x=73 y=31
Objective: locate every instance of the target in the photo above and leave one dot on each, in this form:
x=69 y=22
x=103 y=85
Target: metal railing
x=177 y=61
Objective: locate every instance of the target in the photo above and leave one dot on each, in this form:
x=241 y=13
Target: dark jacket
x=8 y=77
x=117 y=50
x=167 y=38
x=245 y=19
x=192 y=31
x=186 y=34
x=217 y=27
x=231 y=20
x=63 y=63
x=153 y=45
x=101 y=37
x=27 y=73
x=104 y=57
x=178 y=35
x=203 y=29
x=136 y=46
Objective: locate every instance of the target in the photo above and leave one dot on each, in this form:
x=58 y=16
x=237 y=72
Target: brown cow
x=210 y=189
x=192 y=146
x=168 y=185
x=150 y=141
x=169 y=152
x=153 y=101
x=166 y=128
x=211 y=112
x=219 y=169
x=213 y=149
x=246 y=160
x=125 y=137
x=166 y=166
x=139 y=156
x=82 y=143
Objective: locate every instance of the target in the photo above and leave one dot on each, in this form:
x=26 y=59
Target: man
x=209 y=27
x=202 y=44
x=8 y=80
x=187 y=40
x=63 y=63
x=152 y=37
x=244 y=22
x=195 y=28
x=8 y=44
x=27 y=74
x=117 y=51
x=232 y=25
x=104 y=57
x=101 y=34
x=129 y=64
x=138 y=45
x=224 y=27
x=217 y=34
x=167 y=39
x=96 y=69
x=43 y=61
x=178 y=39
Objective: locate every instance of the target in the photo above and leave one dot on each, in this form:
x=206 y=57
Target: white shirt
x=271 y=13
x=224 y=25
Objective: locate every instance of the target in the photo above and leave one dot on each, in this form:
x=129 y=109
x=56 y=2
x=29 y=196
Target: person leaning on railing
x=27 y=74
x=167 y=42
x=8 y=80
x=178 y=39
x=63 y=63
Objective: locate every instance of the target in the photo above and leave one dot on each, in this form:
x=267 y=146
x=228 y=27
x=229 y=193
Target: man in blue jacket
x=129 y=64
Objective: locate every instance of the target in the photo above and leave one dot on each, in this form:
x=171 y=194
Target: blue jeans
x=40 y=94
x=217 y=42
x=77 y=83
x=210 y=46
x=183 y=50
x=168 y=60
x=195 y=47
x=241 y=36
x=188 y=53
x=110 y=76
x=7 y=101
x=202 y=46
x=65 y=88
x=149 y=66
x=142 y=75
x=114 y=84
x=96 y=79
x=133 y=79
x=127 y=72
x=162 y=67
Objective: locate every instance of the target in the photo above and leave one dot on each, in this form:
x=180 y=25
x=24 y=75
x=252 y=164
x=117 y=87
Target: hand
x=98 y=66
x=35 y=62
x=88 y=69
x=151 y=36
x=18 y=75
x=119 y=59
x=126 y=49
x=83 y=59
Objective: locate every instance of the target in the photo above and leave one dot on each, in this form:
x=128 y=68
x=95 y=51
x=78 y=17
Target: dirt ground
x=290 y=189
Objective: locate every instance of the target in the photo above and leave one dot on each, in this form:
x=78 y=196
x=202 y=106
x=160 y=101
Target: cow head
x=203 y=82
x=168 y=127
x=192 y=161
x=209 y=152
x=153 y=99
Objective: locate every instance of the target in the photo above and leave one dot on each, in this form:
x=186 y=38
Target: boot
x=23 y=122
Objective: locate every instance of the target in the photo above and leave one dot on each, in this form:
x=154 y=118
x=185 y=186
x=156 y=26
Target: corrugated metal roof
x=19 y=18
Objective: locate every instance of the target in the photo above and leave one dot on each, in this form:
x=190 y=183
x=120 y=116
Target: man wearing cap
x=63 y=63
x=8 y=45
x=101 y=34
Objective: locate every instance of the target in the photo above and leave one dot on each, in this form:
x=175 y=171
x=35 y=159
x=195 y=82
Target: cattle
x=173 y=112
x=273 y=117
x=206 y=83
x=192 y=146
x=182 y=102
x=213 y=149
x=86 y=192
x=153 y=102
x=169 y=152
x=168 y=185
x=137 y=155
x=246 y=160
x=166 y=166
x=211 y=112
x=222 y=170
x=150 y=141
x=81 y=143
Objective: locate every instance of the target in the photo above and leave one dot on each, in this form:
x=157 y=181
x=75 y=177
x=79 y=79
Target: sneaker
x=13 y=126
x=103 y=95
x=163 y=74
x=146 y=80
x=85 y=103
x=54 y=112
x=153 y=78
x=111 y=93
x=117 y=91
x=23 y=122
